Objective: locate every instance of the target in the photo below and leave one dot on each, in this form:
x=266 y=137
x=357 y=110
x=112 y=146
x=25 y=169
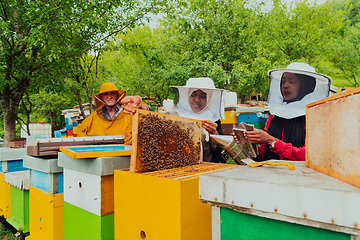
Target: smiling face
x=290 y=86
x=197 y=100
x=109 y=97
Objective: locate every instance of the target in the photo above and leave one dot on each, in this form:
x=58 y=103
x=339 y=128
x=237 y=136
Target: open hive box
x=333 y=136
x=159 y=197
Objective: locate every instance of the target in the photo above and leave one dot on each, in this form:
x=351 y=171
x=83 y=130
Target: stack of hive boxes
x=14 y=193
x=89 y=194
x=46 y=197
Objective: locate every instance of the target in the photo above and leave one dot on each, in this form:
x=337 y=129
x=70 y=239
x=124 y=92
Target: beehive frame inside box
x=166 y=141
x=333 y=136
x=94 y=151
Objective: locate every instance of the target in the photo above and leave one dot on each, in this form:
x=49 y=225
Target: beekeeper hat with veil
x=314 y=86
x=215 y=99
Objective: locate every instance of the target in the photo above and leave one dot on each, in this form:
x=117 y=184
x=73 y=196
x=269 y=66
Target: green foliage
x=6 y=233
x=302 y=31
x=345 y=55
x=47 y=41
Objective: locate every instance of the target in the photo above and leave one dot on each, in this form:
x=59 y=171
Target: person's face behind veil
x=290 y=86
x=197 y=101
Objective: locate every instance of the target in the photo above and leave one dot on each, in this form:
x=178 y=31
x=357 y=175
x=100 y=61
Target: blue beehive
x=257 y=119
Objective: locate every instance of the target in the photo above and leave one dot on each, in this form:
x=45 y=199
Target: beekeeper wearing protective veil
x=289 y=92
x=199 y=99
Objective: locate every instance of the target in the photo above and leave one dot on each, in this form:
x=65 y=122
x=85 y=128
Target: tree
x=50 y=104
x=302 y=31
x=144 y=62
x=219 y=39
x=38 y=36
x=345 y=55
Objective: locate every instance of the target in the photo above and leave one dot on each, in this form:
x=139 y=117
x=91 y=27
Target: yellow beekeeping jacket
x=97 y=125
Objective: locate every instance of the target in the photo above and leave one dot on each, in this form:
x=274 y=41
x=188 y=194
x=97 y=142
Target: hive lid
x=301 y=195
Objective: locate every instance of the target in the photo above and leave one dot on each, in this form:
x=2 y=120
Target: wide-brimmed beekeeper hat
x=279 y=107
x=107 y=87
x=215 y=99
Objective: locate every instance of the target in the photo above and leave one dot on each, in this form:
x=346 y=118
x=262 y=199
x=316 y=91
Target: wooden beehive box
x=333 y=136
x=162 y=141
x=162 y=205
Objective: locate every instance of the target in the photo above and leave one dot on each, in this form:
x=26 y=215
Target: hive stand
x=46 y=203
x=89 y=195
x=273 y=202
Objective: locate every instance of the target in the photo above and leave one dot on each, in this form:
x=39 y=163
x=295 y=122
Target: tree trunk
x=52 y=124
x=80 y=103
x=10 y=116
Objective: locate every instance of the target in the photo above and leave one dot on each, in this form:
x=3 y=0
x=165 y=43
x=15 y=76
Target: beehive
x=11 y=160
x=89 y=191
x=273 y=202
x=45 y=173
x=4 y=197
x=163 y=205
x=19 y=199
x=46 y=215
x=333 y=136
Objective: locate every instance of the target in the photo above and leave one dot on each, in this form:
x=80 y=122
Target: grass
x=5 y=234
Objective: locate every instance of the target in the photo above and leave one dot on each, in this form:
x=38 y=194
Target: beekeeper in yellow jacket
x=113 y=115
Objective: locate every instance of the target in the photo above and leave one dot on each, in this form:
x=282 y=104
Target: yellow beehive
x=230 y=117
x=163 y=205
x=333 y=136
x=46 y=215
x=4 y=197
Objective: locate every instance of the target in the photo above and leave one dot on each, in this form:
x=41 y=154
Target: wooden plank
x=166 y=142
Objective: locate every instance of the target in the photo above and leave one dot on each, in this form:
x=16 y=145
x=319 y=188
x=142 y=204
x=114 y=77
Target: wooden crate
x=50 y=146
x=333 y=136
x=167 y=143
x=46 y=215
x=163 y=205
